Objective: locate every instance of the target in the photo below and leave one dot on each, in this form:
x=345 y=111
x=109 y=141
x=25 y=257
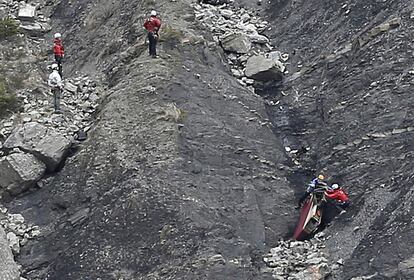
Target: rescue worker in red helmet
x=337 y=194
x=153 y=25
x=58 y=51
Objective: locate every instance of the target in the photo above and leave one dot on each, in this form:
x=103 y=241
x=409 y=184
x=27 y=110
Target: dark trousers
x=56 y=98
x=152 y=43
x=59 y=61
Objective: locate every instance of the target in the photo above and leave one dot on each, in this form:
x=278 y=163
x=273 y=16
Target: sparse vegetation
x=8 y=27
x=8 y=101
x=171 y=35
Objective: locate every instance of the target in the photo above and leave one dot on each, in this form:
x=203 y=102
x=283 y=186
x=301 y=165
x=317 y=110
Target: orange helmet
x=321 y=177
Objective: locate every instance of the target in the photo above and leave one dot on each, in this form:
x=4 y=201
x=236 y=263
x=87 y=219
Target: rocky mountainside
x=349 y=100
x=194 y=161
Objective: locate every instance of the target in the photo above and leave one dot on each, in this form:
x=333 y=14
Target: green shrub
x=8 y=27
x=8 y=101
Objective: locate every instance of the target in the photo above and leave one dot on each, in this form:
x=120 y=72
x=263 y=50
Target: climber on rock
x=55 y=82
x=153 y=25
x=317 y=182
x=58 y=51
x=338 y=195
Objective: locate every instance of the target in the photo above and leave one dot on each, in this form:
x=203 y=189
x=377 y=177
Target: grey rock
x=406 y=268
x=216 y=2
x=71 y=87
x=226 y=13
x=237 y=73
x=20 y=171
x=217 y=259
x=274 y=55
x=9 y=269
x=35 y=28
x=79 y=216
x=236 y=42
x=264 y=69
x=258 y=39
x=13 y=241
x=27 y=12
x=46 y=144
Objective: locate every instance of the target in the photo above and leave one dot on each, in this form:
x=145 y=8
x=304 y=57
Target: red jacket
x=58 y=48
x=338 y=194
x=152 y=24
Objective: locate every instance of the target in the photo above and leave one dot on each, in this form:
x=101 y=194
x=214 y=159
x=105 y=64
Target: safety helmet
x=153 y=13
x=54 y=66
x=321 y=177
x=335 y=186
x=58 y=35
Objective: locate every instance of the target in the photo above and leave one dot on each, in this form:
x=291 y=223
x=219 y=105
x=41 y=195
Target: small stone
x=13 y=242
x=71 y=87
x=217 y=259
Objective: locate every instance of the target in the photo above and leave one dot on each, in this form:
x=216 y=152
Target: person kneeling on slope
x=336 y=193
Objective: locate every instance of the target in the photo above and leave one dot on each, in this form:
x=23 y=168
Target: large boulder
x=264 y=69
x=27 y=12
x=8 y=268
x=46 y=144
x=236 y=42
x=20 y=171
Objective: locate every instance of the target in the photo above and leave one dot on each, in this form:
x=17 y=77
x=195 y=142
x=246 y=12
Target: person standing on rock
x=153 y=25
x=58 y=51
x=55 y=82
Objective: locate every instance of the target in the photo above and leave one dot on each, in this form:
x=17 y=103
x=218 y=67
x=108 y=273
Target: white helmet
x=54 y=66
x=153 y=13
x=335 y=186
x=58 y=35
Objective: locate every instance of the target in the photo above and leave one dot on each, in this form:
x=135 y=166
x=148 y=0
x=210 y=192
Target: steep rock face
x=349 y=99
x=180 y=177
